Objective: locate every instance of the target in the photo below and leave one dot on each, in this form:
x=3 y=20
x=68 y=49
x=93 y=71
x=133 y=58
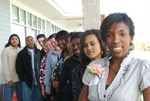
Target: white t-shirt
x=33 y=68
x=32 y=57
x=132 y=78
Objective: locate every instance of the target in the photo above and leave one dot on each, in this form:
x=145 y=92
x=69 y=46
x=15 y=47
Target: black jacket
x=77 y=83
x=24 y=66
x=64 y=91
x=40 y=54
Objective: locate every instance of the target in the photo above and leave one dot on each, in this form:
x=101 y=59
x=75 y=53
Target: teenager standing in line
x=10 y=76
x=121 y=76
x=26 y=68
x=91 y=48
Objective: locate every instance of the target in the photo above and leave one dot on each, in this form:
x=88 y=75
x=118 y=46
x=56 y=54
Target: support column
x=91 y=14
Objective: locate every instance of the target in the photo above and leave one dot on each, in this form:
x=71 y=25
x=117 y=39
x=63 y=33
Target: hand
x=52 y=98
x=48 y=93
x=55 y=84
x=11 y=84
x=43 y=91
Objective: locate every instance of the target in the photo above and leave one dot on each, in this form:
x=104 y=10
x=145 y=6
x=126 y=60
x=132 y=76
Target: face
x=118 y=39
x=61 y=43
x=54 y=43
x=48 y=46
x=75 y=44
x=69 y=45
x=92 y=47
x=40 y=41
x=30 y=42
x=14 y=41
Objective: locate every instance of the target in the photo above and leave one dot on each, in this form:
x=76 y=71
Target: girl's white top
x=132 y=78
x=8 y=58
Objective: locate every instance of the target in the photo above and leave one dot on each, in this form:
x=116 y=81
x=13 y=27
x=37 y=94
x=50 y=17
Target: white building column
x=91 y=14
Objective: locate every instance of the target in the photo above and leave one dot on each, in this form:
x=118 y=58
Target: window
x=43 y=25
x=29 y=19
x=20 y=31
x=25 y=24
x=55 y=29
x=34 y=21
x=41 y=32
x=31 y=32
x=22 y=17
x=15 y=14
x=39 y=23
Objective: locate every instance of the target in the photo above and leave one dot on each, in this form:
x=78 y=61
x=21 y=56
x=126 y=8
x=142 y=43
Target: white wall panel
x=4 y=27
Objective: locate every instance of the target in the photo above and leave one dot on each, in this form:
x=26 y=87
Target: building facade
x=20 y=19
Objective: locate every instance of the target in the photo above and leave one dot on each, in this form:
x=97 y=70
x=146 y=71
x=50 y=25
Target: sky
x=138 y=10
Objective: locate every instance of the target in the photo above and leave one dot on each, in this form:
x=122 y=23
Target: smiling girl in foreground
x=125 y=76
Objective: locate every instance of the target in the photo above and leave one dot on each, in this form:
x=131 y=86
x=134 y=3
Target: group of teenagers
x=95 y=65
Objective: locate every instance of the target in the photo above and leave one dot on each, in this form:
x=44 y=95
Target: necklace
x=115 y=72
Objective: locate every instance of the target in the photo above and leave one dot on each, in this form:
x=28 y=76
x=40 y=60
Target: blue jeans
x=32 y=94
x=8 y=92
